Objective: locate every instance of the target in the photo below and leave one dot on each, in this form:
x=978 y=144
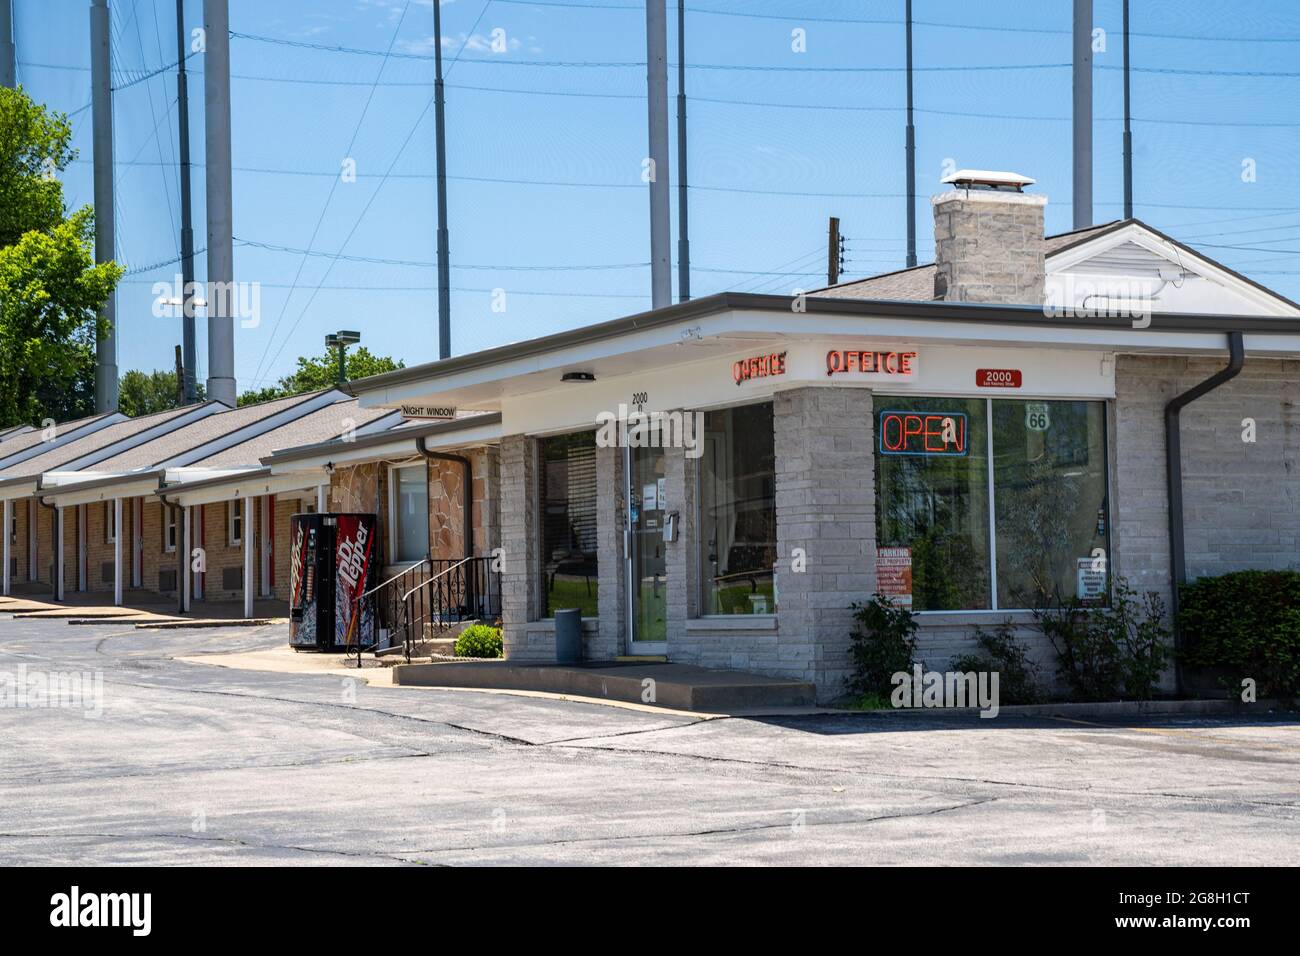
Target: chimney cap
x=988 y=179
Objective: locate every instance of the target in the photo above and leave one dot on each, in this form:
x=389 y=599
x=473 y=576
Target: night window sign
x=893 y=364
x=758 y=366
x=923 y=434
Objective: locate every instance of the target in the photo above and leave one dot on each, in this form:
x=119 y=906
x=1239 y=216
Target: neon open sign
x=926 y=434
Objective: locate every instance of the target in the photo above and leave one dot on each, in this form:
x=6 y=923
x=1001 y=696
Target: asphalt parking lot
x=195 y=764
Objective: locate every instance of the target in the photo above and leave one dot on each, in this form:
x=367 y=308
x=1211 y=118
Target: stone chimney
x=988 y=239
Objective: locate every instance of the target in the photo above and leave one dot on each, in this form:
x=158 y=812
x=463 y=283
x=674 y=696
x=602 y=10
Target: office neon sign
x=923 y=434
x=870 y=362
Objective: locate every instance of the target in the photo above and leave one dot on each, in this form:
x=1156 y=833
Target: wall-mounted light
x=577 y=377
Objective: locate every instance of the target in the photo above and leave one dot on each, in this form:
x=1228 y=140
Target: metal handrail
x=431 y=579
x=380 y=587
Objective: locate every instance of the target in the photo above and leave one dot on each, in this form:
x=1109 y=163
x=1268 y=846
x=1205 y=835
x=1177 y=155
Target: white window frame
x=234 y=517
x=170 y=530
x=110 y=527
x=393 y=509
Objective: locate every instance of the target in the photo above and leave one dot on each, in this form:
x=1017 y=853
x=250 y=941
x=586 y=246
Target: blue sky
x=546 y=139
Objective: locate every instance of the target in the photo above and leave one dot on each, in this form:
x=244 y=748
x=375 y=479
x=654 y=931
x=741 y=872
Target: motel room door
x=646 y=569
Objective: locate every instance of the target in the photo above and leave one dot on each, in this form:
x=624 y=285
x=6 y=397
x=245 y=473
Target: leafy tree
x=321 y=371
x=142 y=393
x=50 y=287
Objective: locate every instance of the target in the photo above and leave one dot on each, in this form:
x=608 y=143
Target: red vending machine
x=331 y=567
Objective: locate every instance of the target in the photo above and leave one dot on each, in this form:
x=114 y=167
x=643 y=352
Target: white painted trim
x=247 y=509
x=400 y=447
x=239 y=486
x=233 y=539
x=58 y=551
x=83 y=556
x=117 y=553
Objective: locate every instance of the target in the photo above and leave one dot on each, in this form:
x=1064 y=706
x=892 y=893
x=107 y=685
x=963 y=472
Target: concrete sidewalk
x=143 y=608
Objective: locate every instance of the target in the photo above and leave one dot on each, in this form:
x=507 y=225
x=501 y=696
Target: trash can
x=568 y=635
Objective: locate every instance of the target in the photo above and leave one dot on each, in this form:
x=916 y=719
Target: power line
x=333 y=186
x=423 y=263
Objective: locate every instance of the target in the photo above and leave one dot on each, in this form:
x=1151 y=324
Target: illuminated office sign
x=758 y=366
x=924 y=434
x=892 y=364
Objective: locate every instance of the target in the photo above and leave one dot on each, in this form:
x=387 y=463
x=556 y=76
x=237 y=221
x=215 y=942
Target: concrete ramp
x=676 y=686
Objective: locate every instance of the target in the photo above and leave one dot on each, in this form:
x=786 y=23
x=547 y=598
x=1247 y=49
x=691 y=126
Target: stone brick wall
x=520 y=572
x=155 y=557
x=1241 y=500
x=825 y=506
x=610 y=639
x=989 y=248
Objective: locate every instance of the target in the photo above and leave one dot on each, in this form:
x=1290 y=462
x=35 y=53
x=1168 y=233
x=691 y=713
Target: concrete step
x=676 y=686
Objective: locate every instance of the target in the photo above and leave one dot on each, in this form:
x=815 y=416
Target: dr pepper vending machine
x=331 y=567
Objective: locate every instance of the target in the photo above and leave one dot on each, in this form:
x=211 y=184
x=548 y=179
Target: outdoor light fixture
x=341 y=340
x=577 y=377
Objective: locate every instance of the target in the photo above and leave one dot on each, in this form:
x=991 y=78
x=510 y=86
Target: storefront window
x=567 y=497
x=932 y=505
x=411 y=511
x=738 y=511
x=937 y=531
x=1049 y=479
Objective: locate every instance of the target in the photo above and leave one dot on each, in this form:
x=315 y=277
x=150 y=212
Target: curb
x=1109 y=708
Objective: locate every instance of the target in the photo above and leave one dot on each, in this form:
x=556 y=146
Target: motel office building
x=973 y=438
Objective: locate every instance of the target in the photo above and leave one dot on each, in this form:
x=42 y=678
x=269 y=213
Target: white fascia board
x=1077 y=257
x=401 y=447
x=194 y=414
x=381 y=424
x=18 y=489
x=130 y=486
x=60 y=438
x=720 y=332
x=251 y=486
x=175 y=475
x=241 y=435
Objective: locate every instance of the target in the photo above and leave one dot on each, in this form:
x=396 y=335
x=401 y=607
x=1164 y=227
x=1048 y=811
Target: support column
x=246 y=532
x=520 y=570
x=83 y=539
x=322 y=498
x=9 y=525
x=58 y=552
x=611 y=548
x=825 y=523
x=186 y=563
x=119 y=531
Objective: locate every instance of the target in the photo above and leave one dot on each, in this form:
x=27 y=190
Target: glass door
x=647 y=582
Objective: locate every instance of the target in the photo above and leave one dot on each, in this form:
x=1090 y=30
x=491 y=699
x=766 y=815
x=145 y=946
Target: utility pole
x=1128 y=128
x=1082 y=113
x=101 y=96
x=683 y=241
x=8 y=54
x=911 y=151
x=180 y=379
x=661 y=268
x=440 y=145
x=221 y=253
x=189 y=359
x=833 y=252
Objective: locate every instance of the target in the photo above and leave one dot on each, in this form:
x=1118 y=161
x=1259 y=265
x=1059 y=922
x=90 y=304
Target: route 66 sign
x=1036 y=417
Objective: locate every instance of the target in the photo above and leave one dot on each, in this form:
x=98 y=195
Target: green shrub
x=884 y=643
x=1000 y=651
x=1109 y=653
x=479 y=640
x=1247 y=625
